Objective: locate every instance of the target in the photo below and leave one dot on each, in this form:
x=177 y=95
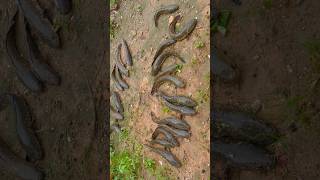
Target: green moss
x=199 y=44
x=124 y=134
x=268 y=4
x=127 y=161
x=298 y=111
x=140 y=8
x=149 y=164
x=194 y=61
x=113 y=2
x=202 y=96
x=114 y=28
x=125 y=164
x=207 y=78
x=313 y=49
x=179 y=68
x=221 y=24
x=166 y=110
x=293 y=102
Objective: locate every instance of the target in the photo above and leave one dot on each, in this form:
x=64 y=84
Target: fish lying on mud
x=127 y=53
x=41 y=24
x=168 y=70
x=156 y=66
x=163 y=142
x=166 y=78
x=119 y=63
x=43 y=70
x=116 y=115
x=178 y=99
x=179 y=133
x=167 y=155
x=244 y=156
x=184 y=110
x=26 y=76
x=222 y=69
x=17 y=166
x=171 y=121
x=116 y=101
x=172 y=25
x=168 y=135
x=26 y=135
x=164 y=10
x=185 y=31
x=240 y=126
x=122 y=83
x=116 y=83
x=163 y=45
x=115 y=128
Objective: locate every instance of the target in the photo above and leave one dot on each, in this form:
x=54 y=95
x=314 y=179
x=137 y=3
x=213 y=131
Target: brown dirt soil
x=137 y=27
x=266 y=43
x=68 y=119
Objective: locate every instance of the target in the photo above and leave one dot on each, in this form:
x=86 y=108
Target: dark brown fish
x=23 y=72
x=177 y=132
x=127 y=54
x=17 y=166
x=245 y=156
x=25 y=133
x=116 y=101
x=115 y=80
x=168 y=70
x=37 y=20
x=119 y=64
x=171 y=121
x=156 y=66
x=163 y=45
x=168 y=135
x=223 y=70
x=185 y=110
x=116 y=128
x=116 y=115
x=43 y=70
x=164 y=10
x=167 y=155
x=166 y=78
x=163 y=142
x=178 y=100
x=122 y=83
x=185 y=31
x=242 y=127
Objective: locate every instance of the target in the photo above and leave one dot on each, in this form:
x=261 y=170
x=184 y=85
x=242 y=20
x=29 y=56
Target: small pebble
x=170 y=19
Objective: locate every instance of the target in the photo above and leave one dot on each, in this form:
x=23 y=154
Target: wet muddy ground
x=133 y=21
x=276 y=44
x=68 y=119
